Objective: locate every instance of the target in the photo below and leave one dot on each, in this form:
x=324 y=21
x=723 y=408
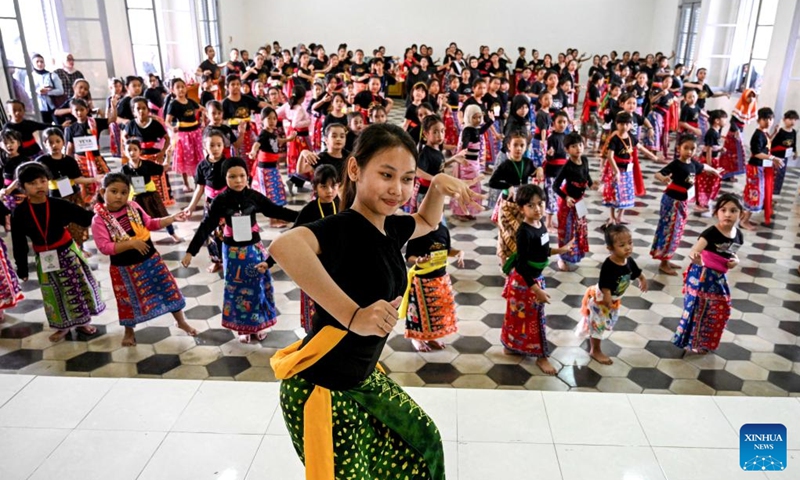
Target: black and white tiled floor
x=759 y=354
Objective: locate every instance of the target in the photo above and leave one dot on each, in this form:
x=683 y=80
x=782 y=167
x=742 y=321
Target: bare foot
x=87 y=329
x=562 y=265
x=601 y=358
x=674 y=265
x=622 y=221
x=176 y=239
x=545 y=366
x=214 y=267
x=665 y=268
x=700 y=208
x=277 y=224
x=244 y=338
x=747 y=226
x=187 y=328
x=420 y=346
x=2 y=316
x=86 y=254
x=129 y=339
x=261 y=335
x=435 y=344
x=58 y=335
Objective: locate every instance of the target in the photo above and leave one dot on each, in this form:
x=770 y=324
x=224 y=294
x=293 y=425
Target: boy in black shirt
x=784 y=146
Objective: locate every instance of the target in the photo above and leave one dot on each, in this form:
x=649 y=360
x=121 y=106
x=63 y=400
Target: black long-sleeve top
x=62 y=213
x=512 y=174
x=577 y=179
x=231 y=203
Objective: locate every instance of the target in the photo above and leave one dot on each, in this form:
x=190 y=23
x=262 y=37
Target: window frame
x=157 y=45
x=209 y=28
x=682 y=53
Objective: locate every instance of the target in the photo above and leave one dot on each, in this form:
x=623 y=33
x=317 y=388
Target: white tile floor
x=87 y=428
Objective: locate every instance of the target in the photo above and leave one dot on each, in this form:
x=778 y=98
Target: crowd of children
x=305 y=110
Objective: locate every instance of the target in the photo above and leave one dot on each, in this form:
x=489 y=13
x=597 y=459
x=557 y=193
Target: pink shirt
x=298 y=117
x=102 y=237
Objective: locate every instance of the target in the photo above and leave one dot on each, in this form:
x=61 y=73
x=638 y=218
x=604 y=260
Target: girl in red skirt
x=299 y=123
x=183 y=114
x=523 y=325
x=708 y=184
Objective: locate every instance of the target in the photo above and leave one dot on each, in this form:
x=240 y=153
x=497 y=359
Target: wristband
x=353 y=318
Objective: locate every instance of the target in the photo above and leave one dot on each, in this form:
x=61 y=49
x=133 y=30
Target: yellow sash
x=318 y=412
x=437 y=261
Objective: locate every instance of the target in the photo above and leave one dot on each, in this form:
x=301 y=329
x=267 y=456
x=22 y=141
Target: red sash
x=423 y=182
x=676 y=188
x=587 y=105
x=769 y=186
x=29 y=143
x=638 y=180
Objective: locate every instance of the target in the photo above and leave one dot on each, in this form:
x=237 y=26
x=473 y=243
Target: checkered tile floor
x=759 y=354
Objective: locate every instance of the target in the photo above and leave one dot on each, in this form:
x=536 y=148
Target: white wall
x=593 y=26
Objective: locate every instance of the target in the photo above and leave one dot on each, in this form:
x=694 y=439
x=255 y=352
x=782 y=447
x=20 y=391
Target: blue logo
x=762 y=447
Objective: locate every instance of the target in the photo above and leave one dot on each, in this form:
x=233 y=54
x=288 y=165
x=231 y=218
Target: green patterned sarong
x=379 y=432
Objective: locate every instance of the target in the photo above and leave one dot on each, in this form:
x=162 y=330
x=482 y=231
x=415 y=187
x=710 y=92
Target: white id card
x=629 y=169
x=734 y=247
x=766 y=163
x=690 y=193
x=545 y=238
x=581 y=210
x=49 y=261
x=85 y=144
x=138 y=184
x=64 y=187
x=240 y=224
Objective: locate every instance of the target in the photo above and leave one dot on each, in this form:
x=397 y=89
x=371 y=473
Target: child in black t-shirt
x=325 y=182
x=11 y=194
x=555 y=159
x=143 y=175
x=523 y=331
x=708 y=184
x=784 y=146
x=760 y=172
x=267 y=177
x=28 y=148
x=679 y=176
x=707 y=295
x=601 y=303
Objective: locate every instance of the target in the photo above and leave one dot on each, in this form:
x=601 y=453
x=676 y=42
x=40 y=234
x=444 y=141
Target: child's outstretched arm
x=198 y=194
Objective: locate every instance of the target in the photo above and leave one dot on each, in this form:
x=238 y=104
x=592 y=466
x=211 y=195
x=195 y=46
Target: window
x=789 y=88
x=687 y=33
x=208 y=23
x=144 y=37
x=16 y=57
x=721 y=40
x=762 y=22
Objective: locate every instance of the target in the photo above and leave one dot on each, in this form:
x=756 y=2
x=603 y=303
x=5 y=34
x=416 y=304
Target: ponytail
x=373 y=140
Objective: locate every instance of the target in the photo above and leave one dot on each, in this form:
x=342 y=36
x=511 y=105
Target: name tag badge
x=48 y=260
x=581 y=210
x=545 y=238
x=496 y=110
x=242 y=231
x=439 y=258
x=690 y=193
x=766 y=163
x=64 y=187
x=629 y=169
x=138 y=184
x=85 y=144
x=734 y=247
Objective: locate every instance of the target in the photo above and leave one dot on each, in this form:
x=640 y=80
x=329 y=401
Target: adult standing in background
x=68 y=74
x=47 y=87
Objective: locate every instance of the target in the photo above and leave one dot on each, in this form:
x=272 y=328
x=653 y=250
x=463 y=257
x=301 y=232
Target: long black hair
x=372 y=141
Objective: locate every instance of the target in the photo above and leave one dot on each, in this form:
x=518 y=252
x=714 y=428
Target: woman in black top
x=338 y=375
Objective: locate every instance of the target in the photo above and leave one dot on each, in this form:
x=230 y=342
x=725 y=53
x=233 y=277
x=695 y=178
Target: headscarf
x=746 y=109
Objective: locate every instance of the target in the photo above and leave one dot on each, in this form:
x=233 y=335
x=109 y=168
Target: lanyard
x=46 y=220
x=322 y=214
x=520 y=169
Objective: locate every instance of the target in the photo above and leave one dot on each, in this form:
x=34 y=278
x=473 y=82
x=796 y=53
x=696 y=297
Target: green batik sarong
x=379 y=432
